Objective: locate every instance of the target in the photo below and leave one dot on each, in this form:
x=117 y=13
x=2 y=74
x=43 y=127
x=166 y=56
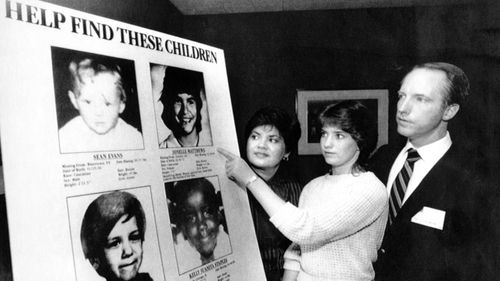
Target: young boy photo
x=114 y=236
x=198 y=222
x=96 y=91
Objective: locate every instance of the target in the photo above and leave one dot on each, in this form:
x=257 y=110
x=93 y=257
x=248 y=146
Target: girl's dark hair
x=353 y=118
x=100 y=218
x=180 y=191
x=288 y=126
x=177 y=81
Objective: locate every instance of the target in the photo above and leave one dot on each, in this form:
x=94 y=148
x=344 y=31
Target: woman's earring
x=285 y=158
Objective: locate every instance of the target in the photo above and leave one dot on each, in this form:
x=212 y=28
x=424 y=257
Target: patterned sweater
x=337 y=228
x=272 y=244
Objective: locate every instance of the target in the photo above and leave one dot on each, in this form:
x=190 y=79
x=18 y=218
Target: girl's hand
x=237 y=169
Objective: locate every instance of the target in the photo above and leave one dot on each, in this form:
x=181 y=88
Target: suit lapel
x=430 y=190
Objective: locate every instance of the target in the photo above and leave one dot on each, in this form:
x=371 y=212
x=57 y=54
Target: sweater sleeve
x=292 y=257
x=330 y=216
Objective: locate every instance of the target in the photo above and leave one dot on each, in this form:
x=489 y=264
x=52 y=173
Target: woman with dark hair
x=112 y=235
x=181 y=98
x=340 y=221
x=272 y=134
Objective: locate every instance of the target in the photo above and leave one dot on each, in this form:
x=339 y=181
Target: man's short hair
x=458 y=87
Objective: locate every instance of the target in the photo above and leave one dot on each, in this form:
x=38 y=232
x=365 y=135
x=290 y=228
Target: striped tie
x=400 y=183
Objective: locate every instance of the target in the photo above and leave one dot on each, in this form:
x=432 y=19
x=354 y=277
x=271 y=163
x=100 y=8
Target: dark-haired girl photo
x=184 y=110
x=198 y=222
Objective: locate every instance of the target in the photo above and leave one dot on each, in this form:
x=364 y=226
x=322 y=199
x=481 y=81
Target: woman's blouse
x=272 y=243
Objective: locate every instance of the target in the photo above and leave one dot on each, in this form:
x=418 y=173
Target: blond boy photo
x=97 y=93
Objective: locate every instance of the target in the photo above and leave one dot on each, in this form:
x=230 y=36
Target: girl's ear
x=72 y=98
x=122 y=107
x=95 y=263
x=222 y=220
x=220 y=215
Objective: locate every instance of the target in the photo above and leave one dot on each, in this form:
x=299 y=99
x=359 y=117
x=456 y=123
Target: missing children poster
x=109 y=134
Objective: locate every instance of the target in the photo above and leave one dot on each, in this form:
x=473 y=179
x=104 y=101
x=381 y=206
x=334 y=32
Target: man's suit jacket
x=412 y=251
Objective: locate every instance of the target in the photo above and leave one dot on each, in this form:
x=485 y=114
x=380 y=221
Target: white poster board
x=93 y=174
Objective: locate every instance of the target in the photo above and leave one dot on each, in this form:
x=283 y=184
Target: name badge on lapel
x=430 y=217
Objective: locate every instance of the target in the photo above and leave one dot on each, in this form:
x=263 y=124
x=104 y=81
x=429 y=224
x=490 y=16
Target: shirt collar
x=432 y=152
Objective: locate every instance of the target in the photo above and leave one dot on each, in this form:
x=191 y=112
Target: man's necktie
x=401 y=183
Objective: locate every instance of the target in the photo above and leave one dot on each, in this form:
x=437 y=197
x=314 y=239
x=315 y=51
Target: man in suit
x=435 y=230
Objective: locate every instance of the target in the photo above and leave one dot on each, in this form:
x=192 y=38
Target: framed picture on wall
x=309 y=105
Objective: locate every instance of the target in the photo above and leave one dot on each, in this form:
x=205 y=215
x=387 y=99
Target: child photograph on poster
x=114 y=236
x=96 y=101
x=198 y=222
x=181 y=107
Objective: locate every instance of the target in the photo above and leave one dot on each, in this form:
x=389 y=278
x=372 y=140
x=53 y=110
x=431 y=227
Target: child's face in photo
x=186 y=112
x=99 y=102
x=123 y=250
x=201 y=223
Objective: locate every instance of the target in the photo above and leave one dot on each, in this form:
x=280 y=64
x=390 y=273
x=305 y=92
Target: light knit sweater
x=337 y=228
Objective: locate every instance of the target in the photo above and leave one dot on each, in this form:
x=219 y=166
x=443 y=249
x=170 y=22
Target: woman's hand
x=239 y=171
x=236 y=168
